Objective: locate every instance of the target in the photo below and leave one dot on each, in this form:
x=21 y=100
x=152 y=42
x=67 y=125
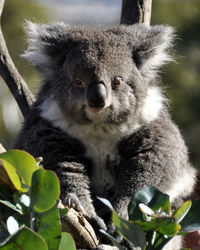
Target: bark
x=80 y=229
x=136 y=11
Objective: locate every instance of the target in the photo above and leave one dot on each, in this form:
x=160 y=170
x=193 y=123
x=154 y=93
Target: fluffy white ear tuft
x=151 y=47
x=35 y=51
x=159 y=54
x=43 y=42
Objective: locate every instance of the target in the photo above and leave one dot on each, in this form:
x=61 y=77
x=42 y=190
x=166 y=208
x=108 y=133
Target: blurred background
x=181 y=80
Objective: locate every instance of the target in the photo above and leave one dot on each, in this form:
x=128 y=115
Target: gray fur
x=129 y=143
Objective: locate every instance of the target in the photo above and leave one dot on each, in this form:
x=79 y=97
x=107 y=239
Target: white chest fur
x=100 y=141
x=101 y=147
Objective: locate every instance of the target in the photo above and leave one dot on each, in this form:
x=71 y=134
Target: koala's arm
x=65 y=156
x=155 y=155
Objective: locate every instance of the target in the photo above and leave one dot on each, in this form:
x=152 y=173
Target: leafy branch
x=30 y=208
x=21 y=179
x=152 y=223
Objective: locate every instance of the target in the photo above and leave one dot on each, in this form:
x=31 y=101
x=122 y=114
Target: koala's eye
x=117 y=81
x=78 y=82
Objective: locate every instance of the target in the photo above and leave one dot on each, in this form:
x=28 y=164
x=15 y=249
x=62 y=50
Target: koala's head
x=101 y=75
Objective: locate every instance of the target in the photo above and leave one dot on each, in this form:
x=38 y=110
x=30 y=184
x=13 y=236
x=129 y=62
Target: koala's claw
x=72 y=201
x=69 y=203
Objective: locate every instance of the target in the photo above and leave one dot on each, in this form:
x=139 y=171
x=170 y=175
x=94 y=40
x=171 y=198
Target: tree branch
x=80 y=229
x=136 y=11
x=11 y=76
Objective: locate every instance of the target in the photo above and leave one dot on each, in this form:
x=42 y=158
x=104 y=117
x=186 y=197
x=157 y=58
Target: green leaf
x=49 y=227
x=106 y=202
x=66 y=242
x=45 y=190
x=144 y=196
x=63 y=211
x=151 y=197
x=181 y=212
x=164 y=225
x=191 y=221
x=130 y=231
x=160 y=242
x=160 y=200
x=12 y=206
x=24 y=239
x=19 y=166
x=168 y=226
x=113 y=240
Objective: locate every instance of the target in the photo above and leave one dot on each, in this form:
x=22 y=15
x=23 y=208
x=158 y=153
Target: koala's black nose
x=96 y=95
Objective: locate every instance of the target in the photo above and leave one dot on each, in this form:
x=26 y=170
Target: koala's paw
x=97 y=223
x=106 y=247
x=72 y=201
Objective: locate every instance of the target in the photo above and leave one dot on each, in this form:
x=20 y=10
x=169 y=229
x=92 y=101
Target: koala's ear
x=45 y=43
x=151 y=46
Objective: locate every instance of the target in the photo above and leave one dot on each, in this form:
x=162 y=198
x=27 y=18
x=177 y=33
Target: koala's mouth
x=105 y=115
x=95 y=110
x=97 y=113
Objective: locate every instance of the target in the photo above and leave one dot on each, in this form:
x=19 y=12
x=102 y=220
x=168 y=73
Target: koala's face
x=99 y=81
x=99 y=75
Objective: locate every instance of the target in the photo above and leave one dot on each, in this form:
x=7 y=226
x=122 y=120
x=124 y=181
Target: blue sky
x=88 y=12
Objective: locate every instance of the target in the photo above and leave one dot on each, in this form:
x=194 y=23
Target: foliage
x=29 y=216
x=152 y=224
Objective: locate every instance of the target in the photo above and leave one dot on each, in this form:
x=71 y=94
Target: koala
x=101 y=120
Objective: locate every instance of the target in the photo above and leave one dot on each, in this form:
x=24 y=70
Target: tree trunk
x=136 y=11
